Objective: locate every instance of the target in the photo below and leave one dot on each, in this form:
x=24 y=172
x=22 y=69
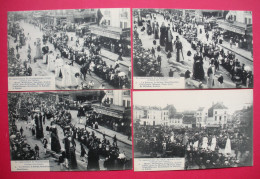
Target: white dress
x=58 y=67
x=204 y=143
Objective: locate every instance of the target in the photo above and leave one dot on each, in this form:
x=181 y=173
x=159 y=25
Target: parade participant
x=21 y=130
x=45 y=143
x=66 y=79
x=168 y=41
x=221 y=81
x=38 y=54
x=93 y=159
x=72 y=161
x=59 y=67
x=198 y=71
x=178 y=46
x=82 y=152
x=45 y=51
x=159 y=60
x=39 y=127
x=210 y=74
x=51 y=62
x=162 y=34
x=156 y=31
x=36 y=148
x=55 y=143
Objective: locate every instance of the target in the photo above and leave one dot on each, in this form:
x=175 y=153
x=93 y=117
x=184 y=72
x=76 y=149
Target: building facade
x=201 y=117
x=215 y=116
x=118 y=98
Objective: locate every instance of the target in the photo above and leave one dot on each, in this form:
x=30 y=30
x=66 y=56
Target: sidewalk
x=112 y=56
x=244 y=53
x=122 y=138
x=110 y=133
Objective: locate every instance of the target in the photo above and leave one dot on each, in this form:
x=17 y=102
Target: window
x=220 y=118
x=235 y=18
x=245 y=20
x=216 y=118
x=123 y=102
x=121 y=25
x=128 y=104
x=111 y=100
x=216 y=112
x=249 y=21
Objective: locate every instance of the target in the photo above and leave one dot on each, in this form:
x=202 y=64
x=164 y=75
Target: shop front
x=113 y=39
x=240 y=33
x=117 y=119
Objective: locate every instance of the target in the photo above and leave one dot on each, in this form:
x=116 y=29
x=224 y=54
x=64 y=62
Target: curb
x=111 y=136
x=114 y=61
x=249 y=59
x=108 y=135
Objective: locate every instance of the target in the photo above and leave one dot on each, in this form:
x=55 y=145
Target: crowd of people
x=45 y=119
x=61 y=59
x=202 y=148
x=147 y=61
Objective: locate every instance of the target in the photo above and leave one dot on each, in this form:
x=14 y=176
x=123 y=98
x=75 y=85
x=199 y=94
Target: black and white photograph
x=194 y=49
x=70 y=130
x=195 y=129
x=79 y=48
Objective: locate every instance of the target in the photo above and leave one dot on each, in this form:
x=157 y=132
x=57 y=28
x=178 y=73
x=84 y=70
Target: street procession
x=83 y=49
x=206 y=48
x=75 y=104
x=74 y=131
x=205 y=135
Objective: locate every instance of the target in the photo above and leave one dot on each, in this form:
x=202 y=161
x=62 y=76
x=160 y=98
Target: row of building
x=109 y=23
x=215 y=116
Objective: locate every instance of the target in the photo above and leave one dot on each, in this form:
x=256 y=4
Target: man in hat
x=178 y=46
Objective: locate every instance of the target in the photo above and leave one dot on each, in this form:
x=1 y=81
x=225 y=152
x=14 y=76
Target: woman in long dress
x=198 y=71
x=51 y=62
x=72 y=161
x=55 y=142
x=156 y=31
x=162 y=34
x=168 y=42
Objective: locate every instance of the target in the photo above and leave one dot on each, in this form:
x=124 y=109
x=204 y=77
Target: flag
x=228 y=147
x=213 y=144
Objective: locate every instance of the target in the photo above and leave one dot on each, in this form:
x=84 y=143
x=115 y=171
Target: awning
x=236 y=27
x=110 y=32
x=108 y=111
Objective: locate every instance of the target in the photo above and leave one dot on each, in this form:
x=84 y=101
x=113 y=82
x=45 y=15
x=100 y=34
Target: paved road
x=82 y=165
x=187 y=64
x=40 y=69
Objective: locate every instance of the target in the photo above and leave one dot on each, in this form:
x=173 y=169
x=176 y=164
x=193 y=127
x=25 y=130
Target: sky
x=193 y=99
